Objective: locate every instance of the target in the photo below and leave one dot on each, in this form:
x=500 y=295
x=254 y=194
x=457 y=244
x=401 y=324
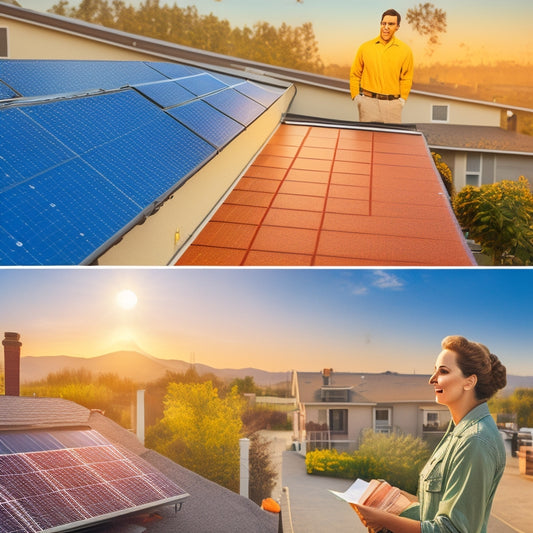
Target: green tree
x=244 y=385
x=287 y=46
x=500 y=218
x=201 y=431
x=428 y=21
x=519 y=404
x=262 y=472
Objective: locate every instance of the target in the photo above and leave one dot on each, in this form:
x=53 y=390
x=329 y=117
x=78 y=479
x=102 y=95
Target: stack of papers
x=376 y=493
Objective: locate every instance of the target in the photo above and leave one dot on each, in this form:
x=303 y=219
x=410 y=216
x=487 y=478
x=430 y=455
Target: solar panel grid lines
x=215 y=127
x=259 y=94
x=91 y=149
x=53 y=77
x=166 y=94
x=202 y=84
x=236 y=105
x=71 y=487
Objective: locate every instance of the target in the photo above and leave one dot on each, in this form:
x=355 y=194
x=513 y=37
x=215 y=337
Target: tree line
x=286 y=46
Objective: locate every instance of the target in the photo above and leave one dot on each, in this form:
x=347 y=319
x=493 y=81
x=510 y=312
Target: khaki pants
x=374 y=110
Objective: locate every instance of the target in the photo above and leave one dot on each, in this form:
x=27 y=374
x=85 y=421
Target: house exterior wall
x=494 y=166
x=418 y=109
x=31 y=41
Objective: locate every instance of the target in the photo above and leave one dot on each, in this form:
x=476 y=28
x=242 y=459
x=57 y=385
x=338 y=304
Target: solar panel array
x=88 y=149
x=54 y=479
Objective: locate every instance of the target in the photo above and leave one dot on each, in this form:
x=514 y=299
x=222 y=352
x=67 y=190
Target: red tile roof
x=328 y=196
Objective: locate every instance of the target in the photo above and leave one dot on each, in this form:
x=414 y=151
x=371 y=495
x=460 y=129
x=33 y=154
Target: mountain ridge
x=143 y=368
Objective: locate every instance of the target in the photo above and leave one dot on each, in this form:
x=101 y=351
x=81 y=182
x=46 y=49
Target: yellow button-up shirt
x=384 y=68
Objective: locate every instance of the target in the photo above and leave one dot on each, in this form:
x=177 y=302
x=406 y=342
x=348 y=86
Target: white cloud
x=360 y=290
x=386 y=280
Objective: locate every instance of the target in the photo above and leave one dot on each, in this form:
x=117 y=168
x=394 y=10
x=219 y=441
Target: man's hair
x=392 y=13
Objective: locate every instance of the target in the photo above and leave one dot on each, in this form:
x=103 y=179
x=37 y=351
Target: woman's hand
x=372 y=518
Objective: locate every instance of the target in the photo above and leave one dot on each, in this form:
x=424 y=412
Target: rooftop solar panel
x=50 y=77
x=209 y=123
x=262 y=95
x=236 y=105
x=201 y=84
x=79 y=170
x=173 y=70
x=77 y=487
x=26 y=149
x=166 y=94
x=6 y=92
x=170 y=153
x=84 y=123
x=61 y=216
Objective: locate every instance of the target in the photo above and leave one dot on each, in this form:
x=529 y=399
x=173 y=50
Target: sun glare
x=127 y=299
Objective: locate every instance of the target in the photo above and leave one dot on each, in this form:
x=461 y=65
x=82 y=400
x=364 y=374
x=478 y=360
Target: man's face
x=389 y=26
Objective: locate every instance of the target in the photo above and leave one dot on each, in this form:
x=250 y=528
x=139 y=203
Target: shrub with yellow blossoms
x=499 y=217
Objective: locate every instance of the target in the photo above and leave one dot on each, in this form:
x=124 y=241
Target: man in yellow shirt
x=382 y=74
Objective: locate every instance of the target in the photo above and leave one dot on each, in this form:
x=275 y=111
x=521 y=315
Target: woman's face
x=448 y=380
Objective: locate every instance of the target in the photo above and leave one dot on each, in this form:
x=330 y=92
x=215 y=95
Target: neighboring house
x=335 y=408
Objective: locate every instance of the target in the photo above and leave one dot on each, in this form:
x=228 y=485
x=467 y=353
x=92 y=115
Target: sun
x=126 y=299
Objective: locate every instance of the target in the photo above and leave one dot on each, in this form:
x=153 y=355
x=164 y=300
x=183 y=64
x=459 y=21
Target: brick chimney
x=326 y=376
x=12 y=346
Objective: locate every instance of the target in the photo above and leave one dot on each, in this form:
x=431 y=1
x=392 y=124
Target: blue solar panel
x=260 y=94
x=77 y=172
x=236 y=105
x=207 y=122
x=63 y=215
x=30 y=441
x=166 y=94
x=174 y=70
x=148 y=163
x=6 y=92
x=202 y=84
x=25 y=148
x=46 y=77
x=84 y=123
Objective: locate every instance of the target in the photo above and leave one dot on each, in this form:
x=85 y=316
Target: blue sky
x=478 y=31
x=275 y=319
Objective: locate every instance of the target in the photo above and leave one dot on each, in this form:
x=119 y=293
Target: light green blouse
x=458 y=483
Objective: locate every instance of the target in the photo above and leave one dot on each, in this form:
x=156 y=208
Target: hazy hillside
x=135 y=366
x=145 y=368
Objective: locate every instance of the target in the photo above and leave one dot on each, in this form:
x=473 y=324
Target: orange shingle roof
x=325 y=196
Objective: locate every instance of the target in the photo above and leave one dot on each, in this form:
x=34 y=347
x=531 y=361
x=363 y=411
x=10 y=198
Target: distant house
x=334 y=408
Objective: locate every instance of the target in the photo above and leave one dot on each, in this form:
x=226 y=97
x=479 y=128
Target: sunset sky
x=477 y=31
x=274 y=319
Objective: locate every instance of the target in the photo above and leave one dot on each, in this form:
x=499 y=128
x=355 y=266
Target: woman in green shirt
x=457 y=485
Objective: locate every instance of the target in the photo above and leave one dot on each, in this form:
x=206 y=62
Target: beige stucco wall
x=31 y=41
x=418 y=109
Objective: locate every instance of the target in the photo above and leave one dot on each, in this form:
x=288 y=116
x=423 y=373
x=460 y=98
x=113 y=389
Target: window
x=382 y=420
x=439 y=113
x=338 y=420
x=335 y=395
x=473 y=169
x=3 y=42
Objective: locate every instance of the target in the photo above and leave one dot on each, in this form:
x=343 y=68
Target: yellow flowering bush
x=499 y=217
x=445 y=173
